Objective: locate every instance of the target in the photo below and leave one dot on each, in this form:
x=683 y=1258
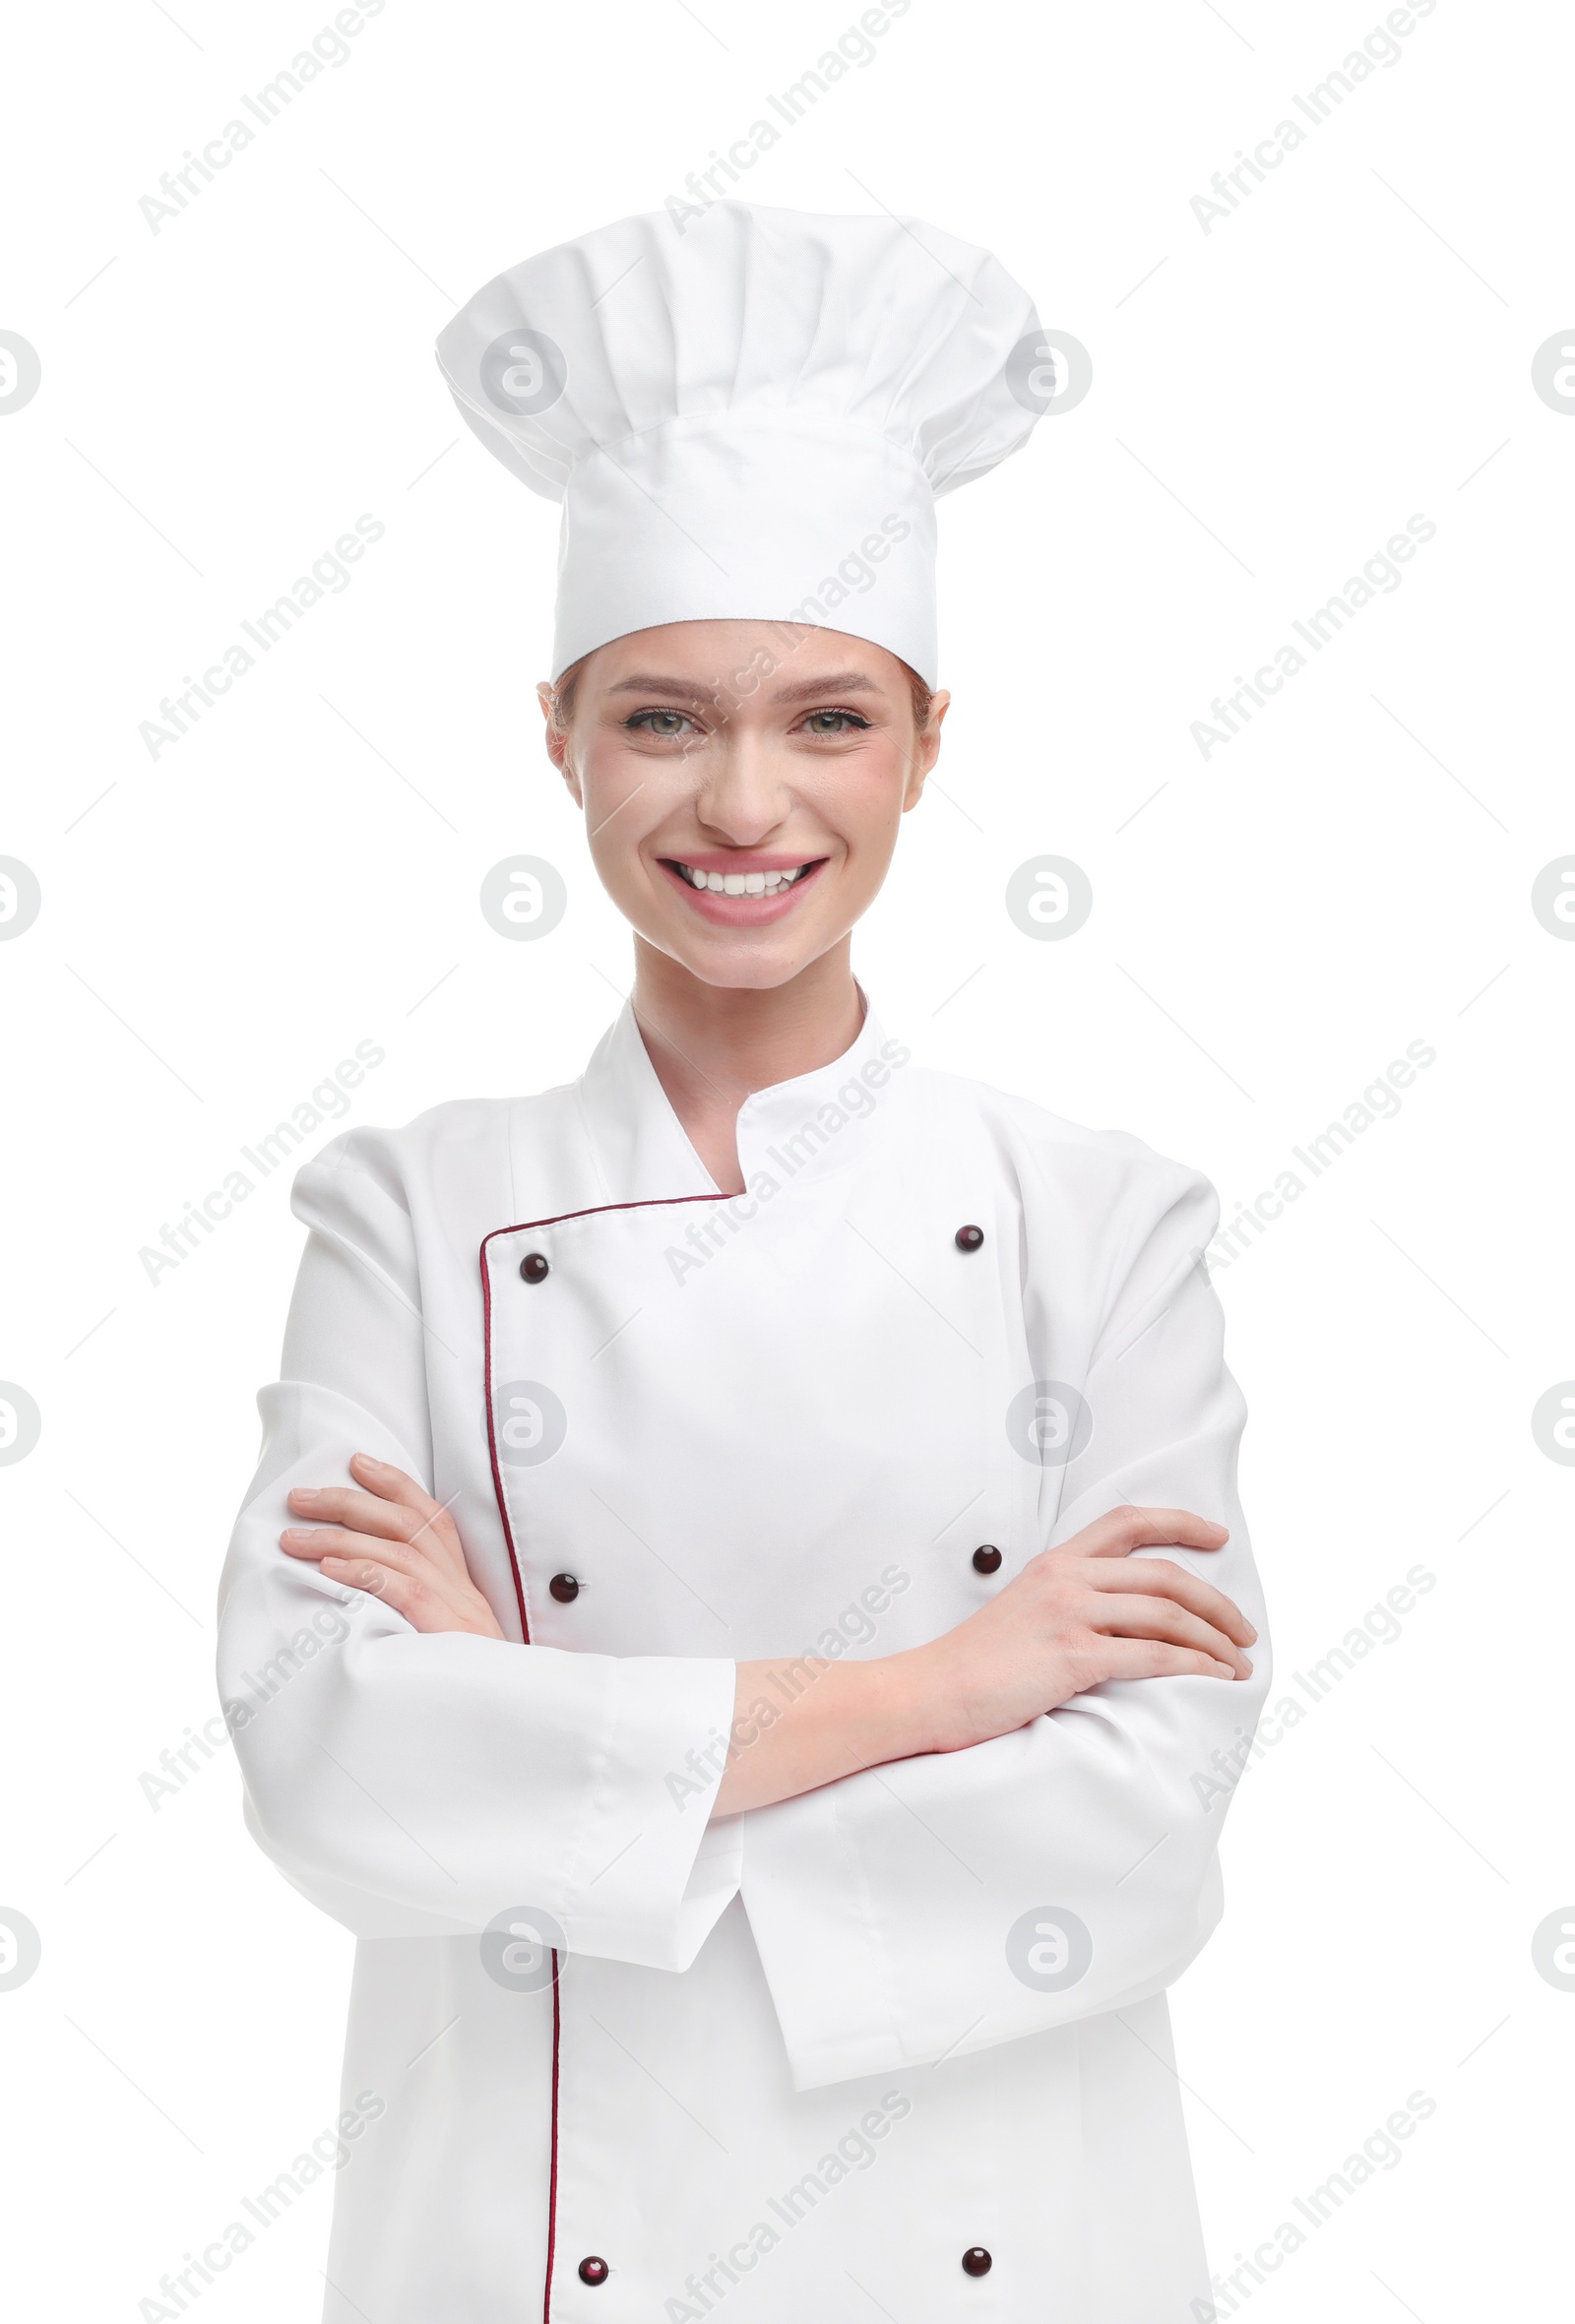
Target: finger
x=399 y=1590
x=415 y=1579
x=1157 y=1617
x=388 y=1520
x=1153 y=1657
x=1121 y=1531
x=321 y=1542
x=393 y=1484
x=362 y=1512
x=386 y=1478
x=1126 y=1616
x=436 y=1524
x=422 y=1601
x=1157 y=1577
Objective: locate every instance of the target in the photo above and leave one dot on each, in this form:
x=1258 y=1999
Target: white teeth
x=741 y=882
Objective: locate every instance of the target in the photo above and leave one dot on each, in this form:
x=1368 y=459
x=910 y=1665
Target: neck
x=714 y=1046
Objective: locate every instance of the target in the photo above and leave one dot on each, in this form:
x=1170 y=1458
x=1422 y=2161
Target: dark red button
x=976 y=2262
x=969 y=1239
x=986 y=1558
x=594 y=2271
x=534 y=1266
x=565 y=1588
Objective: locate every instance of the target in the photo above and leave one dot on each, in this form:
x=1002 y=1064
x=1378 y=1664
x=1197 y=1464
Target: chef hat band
x=750 y=419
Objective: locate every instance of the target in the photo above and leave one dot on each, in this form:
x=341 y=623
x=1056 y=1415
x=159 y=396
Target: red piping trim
x=552 y=2183
x=653 y=1201
x=492 y=1444
x=658 y=1203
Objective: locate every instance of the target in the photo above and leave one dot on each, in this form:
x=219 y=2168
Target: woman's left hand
x=396 y=1542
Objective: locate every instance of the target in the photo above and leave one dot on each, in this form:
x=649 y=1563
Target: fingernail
x=304 y=1492
x=1252 y=1635
x=293 y=1534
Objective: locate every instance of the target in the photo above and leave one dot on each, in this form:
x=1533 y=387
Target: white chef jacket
x=791 y=2065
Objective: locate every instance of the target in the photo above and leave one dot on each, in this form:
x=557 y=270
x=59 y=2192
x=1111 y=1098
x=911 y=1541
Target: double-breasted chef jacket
x=901 y=2045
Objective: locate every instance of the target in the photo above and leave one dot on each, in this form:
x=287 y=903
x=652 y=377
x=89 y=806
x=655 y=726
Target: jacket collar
x=818 y=1121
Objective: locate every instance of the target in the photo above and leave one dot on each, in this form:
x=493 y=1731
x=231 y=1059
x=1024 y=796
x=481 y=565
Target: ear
x=558 y=743
x=926 y=750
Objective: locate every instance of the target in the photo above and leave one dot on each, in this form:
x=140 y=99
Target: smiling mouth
x=742 y=883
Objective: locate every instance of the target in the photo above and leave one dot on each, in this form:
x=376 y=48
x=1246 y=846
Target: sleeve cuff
x=652 y=1874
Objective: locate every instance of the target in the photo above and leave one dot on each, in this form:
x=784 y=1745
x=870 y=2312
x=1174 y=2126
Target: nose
x=744 y=795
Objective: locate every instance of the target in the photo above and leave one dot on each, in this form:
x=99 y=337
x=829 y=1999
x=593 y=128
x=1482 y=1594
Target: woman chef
x=782 y=1499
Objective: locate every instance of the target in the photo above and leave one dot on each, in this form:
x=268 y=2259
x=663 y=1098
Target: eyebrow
x=841 y=681
x=846 y=681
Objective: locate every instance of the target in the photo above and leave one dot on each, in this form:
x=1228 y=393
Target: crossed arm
x=1077 y=1615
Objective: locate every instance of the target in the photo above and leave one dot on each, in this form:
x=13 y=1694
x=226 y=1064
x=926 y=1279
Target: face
x=743 y=784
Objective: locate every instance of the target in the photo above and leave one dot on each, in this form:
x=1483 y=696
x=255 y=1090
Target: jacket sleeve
x=947 y=1903
x=421 y=1785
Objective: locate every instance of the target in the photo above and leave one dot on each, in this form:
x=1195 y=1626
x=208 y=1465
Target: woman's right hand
x=1075 y=1616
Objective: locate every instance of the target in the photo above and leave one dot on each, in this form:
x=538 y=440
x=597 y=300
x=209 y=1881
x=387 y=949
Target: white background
x=1272 y=399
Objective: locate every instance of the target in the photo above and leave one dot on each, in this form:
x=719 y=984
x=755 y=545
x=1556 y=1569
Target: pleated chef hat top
x=751 y=418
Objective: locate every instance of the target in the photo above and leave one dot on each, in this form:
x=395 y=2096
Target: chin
x=741 y=968
x=732 y=963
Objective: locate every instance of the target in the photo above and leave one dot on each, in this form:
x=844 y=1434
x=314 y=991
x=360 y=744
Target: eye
x=666 y=723
x=834 y=721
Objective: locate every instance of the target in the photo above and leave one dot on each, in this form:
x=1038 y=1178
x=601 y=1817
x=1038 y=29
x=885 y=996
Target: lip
x=742 y=912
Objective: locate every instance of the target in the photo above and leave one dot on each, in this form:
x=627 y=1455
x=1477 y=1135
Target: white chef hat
x=751 y=417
